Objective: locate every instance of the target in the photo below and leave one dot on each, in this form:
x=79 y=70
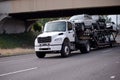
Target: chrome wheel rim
x=67 y=50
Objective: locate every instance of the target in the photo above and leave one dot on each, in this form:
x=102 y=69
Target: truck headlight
x=58 y=39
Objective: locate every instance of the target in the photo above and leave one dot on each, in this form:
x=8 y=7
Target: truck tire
x=40 y=54
x=85 y=48
x=65 y=51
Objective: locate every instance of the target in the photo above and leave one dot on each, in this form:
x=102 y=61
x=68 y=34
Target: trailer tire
x=65 y=51
x=111 y=44
x=85 y=48
x=111 y=41
x=40 y=54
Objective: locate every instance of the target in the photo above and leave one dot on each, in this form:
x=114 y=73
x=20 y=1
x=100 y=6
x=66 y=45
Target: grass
x=23 y=40
x=13 y=44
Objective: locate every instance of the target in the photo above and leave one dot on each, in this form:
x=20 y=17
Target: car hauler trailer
x=64 y=36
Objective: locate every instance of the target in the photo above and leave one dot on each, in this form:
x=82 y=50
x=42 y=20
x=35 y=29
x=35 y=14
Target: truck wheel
x=40 y=55
x=85 y=48
x=65 y=49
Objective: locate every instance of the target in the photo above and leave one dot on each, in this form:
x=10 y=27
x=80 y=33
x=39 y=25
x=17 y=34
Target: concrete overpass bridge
x=32 y=9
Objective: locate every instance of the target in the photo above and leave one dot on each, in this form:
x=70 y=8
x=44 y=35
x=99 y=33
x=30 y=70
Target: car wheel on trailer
x=40 y=54
x=65 y=51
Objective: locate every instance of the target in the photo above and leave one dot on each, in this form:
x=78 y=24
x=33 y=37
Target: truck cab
x=57 y=37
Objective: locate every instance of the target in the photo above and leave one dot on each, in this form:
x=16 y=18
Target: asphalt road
x=102 y=64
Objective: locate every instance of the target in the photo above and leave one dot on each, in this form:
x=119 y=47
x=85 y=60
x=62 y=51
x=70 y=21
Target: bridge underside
x=67 y=12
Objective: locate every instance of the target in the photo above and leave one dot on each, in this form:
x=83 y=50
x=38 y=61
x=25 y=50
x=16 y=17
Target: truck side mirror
x=112 y=22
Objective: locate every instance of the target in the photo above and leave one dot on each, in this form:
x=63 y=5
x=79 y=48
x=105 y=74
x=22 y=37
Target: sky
x=113 y=17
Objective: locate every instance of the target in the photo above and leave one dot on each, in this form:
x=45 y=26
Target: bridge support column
x=11 y=25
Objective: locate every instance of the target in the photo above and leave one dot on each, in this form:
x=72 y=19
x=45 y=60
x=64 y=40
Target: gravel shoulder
x=16 y=51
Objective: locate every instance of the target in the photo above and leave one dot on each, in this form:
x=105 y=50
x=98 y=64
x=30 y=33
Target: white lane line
x=17 y=60
x=112 y=77
x=106 y=51
x=117 y=62
x=18 y=71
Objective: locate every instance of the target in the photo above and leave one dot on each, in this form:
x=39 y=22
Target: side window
x=69 y=26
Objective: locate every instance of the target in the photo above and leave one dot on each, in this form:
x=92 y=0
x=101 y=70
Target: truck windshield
x=55 y=26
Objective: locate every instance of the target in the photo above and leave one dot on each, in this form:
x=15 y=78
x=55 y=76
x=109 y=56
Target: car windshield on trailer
x=77 y=17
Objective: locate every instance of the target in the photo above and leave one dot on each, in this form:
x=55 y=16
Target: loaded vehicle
x=64 y=36
x=111 y=25
x=84 y=19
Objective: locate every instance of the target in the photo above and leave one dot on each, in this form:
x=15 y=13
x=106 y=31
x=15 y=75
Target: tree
x=37 y=27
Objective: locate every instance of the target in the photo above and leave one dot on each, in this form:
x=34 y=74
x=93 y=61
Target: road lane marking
x=18 y=71
x=117 y=62
x=112 y=77
x=106 y=51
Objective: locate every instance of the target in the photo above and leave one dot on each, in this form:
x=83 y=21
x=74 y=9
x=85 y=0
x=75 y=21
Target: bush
x=37 y=27
x=17 y=40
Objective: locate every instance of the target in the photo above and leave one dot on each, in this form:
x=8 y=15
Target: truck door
x=71 y=33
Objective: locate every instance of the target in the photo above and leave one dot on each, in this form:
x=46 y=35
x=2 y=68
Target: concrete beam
x=19 y=6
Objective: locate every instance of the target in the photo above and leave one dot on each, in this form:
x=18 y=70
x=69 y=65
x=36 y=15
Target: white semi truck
x=64 y=36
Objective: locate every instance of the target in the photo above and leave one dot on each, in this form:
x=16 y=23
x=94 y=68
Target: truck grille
x=44 y=39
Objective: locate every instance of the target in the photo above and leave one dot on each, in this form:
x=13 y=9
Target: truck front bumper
x=50 y=48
